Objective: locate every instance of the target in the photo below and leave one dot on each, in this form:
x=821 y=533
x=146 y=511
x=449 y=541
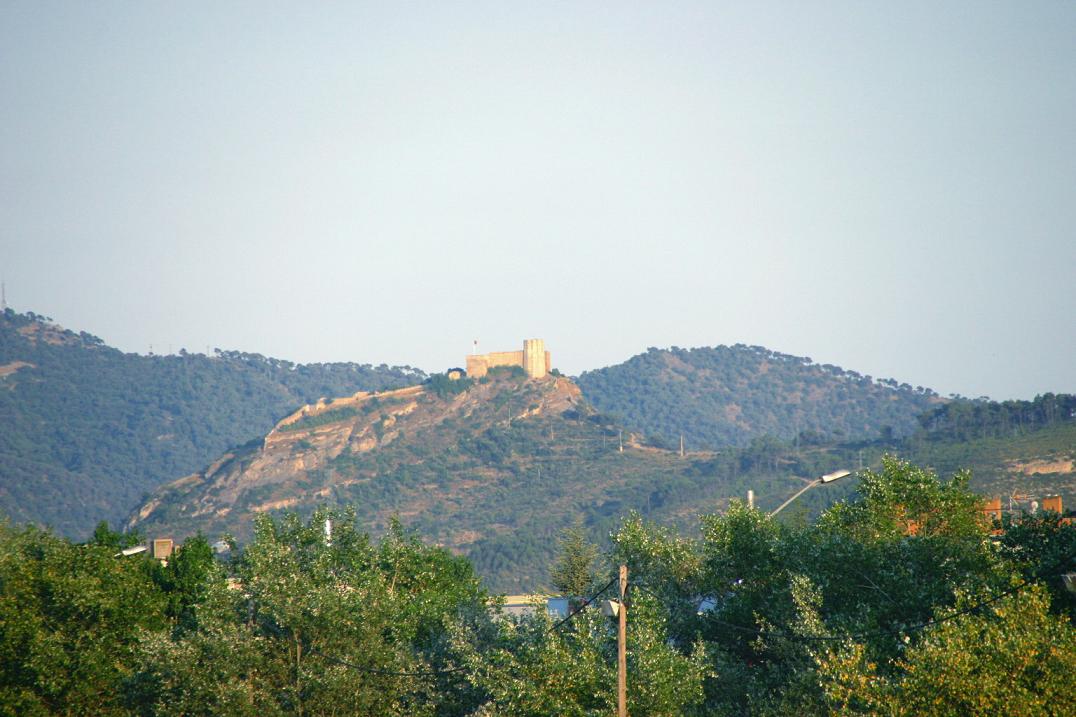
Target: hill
x=493 y=468
x=496 y=468
x=87 y=430
x=727 y=395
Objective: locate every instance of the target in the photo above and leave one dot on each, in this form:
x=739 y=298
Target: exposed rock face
x=315 y=454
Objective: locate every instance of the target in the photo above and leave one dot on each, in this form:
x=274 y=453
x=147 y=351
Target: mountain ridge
x=727 y=395
x=86 y=429
x=87 y=433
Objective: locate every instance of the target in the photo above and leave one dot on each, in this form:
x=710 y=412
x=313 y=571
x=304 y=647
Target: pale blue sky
x=890 y=187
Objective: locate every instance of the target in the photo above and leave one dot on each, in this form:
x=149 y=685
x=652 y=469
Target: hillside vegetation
x=497 y=468
x=727 y=395
x=86 y=430
x=1021 y=449
x=494 y=469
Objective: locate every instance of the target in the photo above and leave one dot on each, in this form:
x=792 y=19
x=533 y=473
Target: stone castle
x=533 y=359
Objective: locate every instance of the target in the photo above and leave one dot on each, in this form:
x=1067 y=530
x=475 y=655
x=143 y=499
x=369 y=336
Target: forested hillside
x=86 y=430
x=727 y=395
x=496 y=468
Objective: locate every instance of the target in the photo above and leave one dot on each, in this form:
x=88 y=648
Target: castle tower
x=534 y=358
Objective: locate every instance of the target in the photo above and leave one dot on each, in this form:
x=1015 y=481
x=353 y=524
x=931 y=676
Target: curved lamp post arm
x=827 y=478
x=801 y=491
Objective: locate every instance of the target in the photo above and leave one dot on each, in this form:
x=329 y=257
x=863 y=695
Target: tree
x=70 y=616
x=323 y=624
x=191 y=572
x=573 y=573
x=1043 y=547
x=535 y=669
x=911 y=545
x=1012 y=658
x=104 y=536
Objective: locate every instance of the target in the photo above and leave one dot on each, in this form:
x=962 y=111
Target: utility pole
x=681 y=445
x=622 y=647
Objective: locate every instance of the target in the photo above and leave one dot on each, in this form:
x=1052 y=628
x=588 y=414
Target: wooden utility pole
x=622 y=647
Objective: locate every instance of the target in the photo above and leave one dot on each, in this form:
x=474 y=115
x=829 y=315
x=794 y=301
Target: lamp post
x=827 y=478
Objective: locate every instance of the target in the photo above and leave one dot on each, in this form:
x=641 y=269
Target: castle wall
x=504 y=358
x=478 y=366
x=357 y=399
x=533 y=359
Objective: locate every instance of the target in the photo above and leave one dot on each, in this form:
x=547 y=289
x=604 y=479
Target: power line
x=591 y=599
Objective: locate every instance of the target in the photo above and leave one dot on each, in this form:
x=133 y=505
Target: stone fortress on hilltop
x=533 y=359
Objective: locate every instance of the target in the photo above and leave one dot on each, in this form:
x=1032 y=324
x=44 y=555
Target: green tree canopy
x=573 y=573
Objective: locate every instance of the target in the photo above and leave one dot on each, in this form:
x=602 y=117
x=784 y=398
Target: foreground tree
x=1012 y=657
x=573 y=573
x=1043 y=547
x=870 y=571
x=538 y=667
x=900 y=602
x=322 y=622
x=70 y=616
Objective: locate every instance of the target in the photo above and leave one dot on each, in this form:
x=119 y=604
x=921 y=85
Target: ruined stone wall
x=356 y=399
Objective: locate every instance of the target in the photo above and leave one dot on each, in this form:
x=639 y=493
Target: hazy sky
x=890 y=187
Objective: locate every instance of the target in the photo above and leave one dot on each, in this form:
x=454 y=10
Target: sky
x=889 y=187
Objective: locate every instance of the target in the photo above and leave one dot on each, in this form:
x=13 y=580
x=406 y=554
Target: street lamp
x=827 y=478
